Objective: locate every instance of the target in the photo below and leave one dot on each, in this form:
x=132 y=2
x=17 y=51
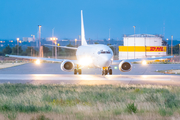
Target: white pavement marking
x=89 y=77
x=7 y=65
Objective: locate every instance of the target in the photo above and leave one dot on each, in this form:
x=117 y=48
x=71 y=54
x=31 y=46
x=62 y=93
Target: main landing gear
x=107 y=70
x=77 y=70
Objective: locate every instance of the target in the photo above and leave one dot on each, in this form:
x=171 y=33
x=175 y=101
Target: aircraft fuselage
x=99 y=55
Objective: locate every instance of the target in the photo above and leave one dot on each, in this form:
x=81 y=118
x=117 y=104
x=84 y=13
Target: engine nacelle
x=125 y=66
x=67 y=66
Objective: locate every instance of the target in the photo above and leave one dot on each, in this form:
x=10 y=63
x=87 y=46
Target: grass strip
x=90 y=101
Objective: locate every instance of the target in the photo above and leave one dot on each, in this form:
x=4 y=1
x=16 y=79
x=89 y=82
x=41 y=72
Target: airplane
x=94 y=55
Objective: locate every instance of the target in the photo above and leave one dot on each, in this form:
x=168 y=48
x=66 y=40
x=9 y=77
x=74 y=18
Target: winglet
x=83 y=40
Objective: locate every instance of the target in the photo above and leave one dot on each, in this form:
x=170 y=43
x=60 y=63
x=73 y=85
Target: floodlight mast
x=134 y=40
x=39 y=40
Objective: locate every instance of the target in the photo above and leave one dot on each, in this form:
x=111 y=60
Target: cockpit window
x=104 y=52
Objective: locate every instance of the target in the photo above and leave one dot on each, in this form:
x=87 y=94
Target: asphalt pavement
x=50 y=73
x=54 y=68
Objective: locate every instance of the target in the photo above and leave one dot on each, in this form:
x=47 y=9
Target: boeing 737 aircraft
x=96 y=55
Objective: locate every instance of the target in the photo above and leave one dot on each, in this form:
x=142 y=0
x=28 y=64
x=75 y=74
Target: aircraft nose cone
x=105 y=61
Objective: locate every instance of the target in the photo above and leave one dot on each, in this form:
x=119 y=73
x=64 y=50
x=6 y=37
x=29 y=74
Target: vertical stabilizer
x=83 y=40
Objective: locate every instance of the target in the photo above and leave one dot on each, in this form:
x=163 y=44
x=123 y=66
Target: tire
x=103 y=72
x=110 y=71
x=106 y=72
x=80 y=71
x=75 y=71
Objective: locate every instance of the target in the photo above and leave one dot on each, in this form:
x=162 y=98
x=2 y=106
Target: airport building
x=141 y=46
x=27 y=39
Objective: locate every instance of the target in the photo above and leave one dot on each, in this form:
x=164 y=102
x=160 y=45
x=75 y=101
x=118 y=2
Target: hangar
x=141 y=46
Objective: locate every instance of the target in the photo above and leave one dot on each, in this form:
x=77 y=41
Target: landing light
x=37 y=62
x=144 y=62
x=85 y=61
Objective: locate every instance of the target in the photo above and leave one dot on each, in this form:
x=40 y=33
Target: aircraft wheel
x=110 y=71
x=106 y=72
x=103 y=72
x=75 y=71
x=80 y=71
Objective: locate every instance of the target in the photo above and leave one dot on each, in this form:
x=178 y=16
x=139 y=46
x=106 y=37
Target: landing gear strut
x=106 y=71
x=78 y=70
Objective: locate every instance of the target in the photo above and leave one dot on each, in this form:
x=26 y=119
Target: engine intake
x=125 y=66
x=67 y=66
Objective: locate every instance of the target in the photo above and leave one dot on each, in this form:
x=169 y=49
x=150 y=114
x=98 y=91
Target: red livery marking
x=156 y=49
x=152 y=48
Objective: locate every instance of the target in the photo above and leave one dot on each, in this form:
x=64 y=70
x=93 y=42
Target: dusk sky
x=20 y=18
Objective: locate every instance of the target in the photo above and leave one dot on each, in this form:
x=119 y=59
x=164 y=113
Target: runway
x=50 y=73
x=90 y=79
x=54 y=68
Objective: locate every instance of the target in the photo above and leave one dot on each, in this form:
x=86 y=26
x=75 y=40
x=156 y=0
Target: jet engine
x=67 y=66
x=125 y=66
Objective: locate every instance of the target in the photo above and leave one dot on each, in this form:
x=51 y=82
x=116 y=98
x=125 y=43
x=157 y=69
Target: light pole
x=179 y=49
x=39 y=40
x=54 y=39
x=56 y=48
x=171 y=45
x=17 y=46
x=32 y=51
x=53 y=32
x=79 y=39
x=52 y=46
x=134 y=40
x=75 y=42
x=167 y=46
x=109 y=35
x=145 y=45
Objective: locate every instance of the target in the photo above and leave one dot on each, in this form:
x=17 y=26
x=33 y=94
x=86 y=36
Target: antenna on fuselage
x=83 y=40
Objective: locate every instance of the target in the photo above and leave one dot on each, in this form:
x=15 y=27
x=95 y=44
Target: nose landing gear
x=77 y=70
x=107 y=70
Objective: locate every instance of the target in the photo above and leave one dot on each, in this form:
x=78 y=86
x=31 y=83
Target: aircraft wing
x=40 y=58
x=116 y=62
x=73 y=48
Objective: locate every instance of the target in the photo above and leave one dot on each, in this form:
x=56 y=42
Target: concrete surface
x=50 y=73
